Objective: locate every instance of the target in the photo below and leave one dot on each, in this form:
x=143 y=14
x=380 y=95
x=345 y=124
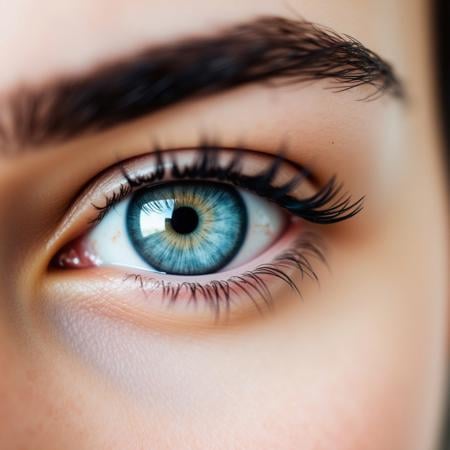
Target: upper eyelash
x=329 y=205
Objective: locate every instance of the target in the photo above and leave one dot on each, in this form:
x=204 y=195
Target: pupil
x=184 y=220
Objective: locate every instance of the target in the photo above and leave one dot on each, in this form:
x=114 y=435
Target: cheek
x=291 y=382
x=362 y=388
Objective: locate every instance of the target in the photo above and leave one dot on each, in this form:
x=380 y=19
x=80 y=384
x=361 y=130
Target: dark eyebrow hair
x=268 y=48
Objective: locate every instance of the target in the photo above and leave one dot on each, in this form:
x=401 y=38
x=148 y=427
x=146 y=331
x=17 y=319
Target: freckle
x=263 y=228
x=116 y=236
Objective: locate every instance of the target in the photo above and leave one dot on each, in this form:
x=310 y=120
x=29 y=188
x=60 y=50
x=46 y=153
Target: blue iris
x=187 y=227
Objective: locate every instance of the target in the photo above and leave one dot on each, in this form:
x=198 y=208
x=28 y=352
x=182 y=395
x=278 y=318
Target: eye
x=218 y=225
x=186 y=228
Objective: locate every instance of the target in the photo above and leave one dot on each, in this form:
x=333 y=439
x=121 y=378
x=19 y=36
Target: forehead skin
x=382 y=396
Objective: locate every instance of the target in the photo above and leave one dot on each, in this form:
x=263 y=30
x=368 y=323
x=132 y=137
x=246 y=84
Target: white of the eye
x=110 y=243
x=265 y=223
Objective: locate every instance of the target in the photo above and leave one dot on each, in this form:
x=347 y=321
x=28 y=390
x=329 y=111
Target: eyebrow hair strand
x=269 y=48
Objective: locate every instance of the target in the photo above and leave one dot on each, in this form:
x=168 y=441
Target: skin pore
x=356 y=363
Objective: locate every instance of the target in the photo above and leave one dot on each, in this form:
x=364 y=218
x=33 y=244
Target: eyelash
x=218 y=294
x=329 y=205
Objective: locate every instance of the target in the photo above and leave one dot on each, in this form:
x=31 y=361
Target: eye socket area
x=276 y=203
x=183 y=228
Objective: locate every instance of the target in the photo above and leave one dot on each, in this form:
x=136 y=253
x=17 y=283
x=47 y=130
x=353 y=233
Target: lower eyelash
x=253 y=285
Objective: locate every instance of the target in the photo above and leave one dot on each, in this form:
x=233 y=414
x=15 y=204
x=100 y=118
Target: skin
x=359 y=364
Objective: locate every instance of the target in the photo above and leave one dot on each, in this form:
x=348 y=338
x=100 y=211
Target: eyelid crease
x=326 y=206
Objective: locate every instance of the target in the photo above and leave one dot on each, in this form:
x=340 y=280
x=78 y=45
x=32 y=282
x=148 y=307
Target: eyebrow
x=267 y=49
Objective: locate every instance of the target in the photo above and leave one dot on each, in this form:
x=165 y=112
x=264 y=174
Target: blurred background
x=442 y=20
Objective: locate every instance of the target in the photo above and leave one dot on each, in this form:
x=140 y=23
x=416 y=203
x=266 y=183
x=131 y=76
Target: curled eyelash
x=253 y=285
x=329 y=205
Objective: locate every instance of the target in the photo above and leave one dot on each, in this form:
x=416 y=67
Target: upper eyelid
x=323 y=205
x=134 y=177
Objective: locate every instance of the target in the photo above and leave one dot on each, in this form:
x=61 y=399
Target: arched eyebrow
x=267 y=49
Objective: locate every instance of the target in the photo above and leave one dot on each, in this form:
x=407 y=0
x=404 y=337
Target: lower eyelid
x=123 y=295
